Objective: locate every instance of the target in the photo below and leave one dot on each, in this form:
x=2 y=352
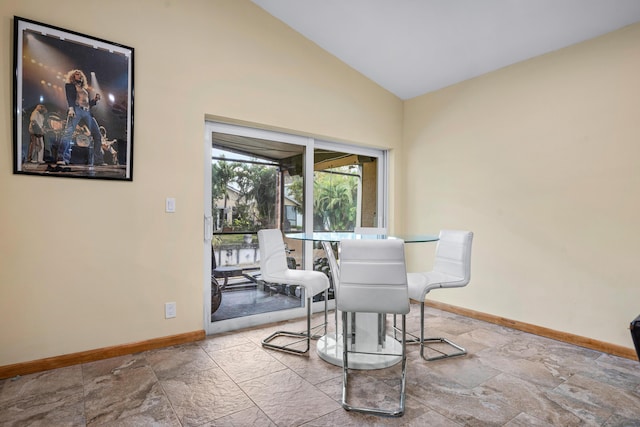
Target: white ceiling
x=411 y=47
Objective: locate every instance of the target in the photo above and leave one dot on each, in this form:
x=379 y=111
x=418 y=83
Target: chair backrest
x=453 y=256
x=333 y=266
x=273 y=257
x=373 y=277
x=371 y=230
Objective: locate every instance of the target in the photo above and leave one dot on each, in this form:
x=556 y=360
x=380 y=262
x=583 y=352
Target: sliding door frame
x=309 y=144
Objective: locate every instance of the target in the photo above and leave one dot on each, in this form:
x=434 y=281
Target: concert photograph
x=73 y=104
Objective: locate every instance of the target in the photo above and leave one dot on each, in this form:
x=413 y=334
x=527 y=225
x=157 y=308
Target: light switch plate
x=170 y=205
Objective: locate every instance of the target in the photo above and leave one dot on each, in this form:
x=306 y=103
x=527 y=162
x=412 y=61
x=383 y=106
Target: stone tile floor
x=509 y=378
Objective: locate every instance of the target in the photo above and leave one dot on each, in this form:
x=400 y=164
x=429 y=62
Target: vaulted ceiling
x=411 y=47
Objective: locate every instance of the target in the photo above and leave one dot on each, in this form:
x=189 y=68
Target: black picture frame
x=59 y=112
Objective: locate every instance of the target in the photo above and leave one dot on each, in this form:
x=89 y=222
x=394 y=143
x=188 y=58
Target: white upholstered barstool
x=382 y=232
x=273 y=268
x=373 y=279
x=451 y=269
x=334 y=270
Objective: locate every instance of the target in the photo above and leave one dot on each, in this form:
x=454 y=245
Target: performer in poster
x=80 y=104
x=36 y=134
x=109 y=153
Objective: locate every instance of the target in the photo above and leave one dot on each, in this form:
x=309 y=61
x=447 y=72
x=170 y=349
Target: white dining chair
x=373 y=279
x=334 y=270
x=451 y=269
x=382 y=232
x=274 y=268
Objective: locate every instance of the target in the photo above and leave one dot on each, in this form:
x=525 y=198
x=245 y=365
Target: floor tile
x=174 y=361
x=248 y=417
x=530 y=399
x=310 y=367
x=526 y=420
x=508 y=378
x=204 y=396
x=466 y=406
x=247 y=361
x=124 y=390
x=44 y=399
x=287 y=399
x=223 y=341
x=594 y=401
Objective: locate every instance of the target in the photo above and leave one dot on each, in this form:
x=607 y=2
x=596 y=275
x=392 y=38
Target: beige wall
x=541 y=161
x=538 y=159
x=89 y=264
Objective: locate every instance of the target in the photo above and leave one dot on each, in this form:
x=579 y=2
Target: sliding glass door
x=262 y=179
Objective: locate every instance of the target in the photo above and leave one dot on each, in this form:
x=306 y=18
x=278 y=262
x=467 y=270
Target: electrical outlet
x=169 y=310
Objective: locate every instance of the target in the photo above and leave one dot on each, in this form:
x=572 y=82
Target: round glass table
x=369 y=328
x=336 y=236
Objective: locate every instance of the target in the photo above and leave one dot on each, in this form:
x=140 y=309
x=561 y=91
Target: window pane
x=344 y=191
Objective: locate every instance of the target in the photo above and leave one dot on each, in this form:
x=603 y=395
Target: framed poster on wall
x=73 y=104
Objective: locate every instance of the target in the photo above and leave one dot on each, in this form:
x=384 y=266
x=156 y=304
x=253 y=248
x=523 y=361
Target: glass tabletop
x=327 y=236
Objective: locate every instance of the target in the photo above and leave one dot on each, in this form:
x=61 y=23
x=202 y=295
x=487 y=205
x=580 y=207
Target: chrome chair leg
x=302 y=336
x=326 y=317
x=459 y=351
x=397 y=412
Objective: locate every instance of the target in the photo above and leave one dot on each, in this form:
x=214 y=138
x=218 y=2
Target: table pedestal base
x=330 y=350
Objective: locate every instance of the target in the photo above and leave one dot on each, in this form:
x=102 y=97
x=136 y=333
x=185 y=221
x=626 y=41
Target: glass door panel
x=254 y=184
x=345 y=191
x=345 y=195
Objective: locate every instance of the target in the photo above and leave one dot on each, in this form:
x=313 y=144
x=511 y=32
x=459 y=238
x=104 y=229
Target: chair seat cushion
x=313 y=281
x=421 y=283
